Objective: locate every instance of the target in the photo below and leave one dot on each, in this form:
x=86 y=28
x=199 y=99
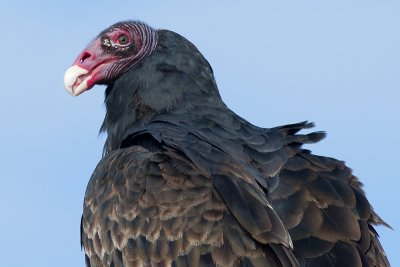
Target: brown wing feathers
x=158 y=208
x=328 y=216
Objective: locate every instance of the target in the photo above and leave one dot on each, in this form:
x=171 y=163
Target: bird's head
x=114 y=51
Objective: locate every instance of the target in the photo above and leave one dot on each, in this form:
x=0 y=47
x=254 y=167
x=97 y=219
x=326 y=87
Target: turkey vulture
x=184 y=181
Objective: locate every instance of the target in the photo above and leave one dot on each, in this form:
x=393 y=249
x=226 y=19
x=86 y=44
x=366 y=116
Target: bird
x=184 y=181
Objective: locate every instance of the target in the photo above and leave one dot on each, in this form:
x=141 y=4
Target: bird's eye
x=123 y=39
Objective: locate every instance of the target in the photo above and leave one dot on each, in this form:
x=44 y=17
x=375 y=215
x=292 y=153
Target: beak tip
x=70 y=78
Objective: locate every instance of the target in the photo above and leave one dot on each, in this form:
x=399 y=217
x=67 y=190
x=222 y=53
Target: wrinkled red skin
x=96 y=60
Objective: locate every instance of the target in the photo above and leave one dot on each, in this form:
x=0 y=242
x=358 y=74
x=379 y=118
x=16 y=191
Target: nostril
x=85 y=56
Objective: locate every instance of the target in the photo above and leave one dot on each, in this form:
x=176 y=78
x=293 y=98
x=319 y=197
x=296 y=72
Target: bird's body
x=184 y=181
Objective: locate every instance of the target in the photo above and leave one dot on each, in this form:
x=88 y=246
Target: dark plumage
x=184 y=181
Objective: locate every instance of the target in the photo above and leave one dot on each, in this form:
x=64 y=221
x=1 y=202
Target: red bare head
x=113 y=52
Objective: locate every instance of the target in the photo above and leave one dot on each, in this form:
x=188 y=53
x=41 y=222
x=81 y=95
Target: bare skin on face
x=112 y=53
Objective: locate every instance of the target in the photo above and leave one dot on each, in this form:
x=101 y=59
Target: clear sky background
x=336 y=63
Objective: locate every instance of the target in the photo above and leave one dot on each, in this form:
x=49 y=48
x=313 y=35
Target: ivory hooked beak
x=75 y=80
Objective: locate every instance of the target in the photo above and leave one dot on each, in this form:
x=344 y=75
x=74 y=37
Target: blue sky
x=335 y=63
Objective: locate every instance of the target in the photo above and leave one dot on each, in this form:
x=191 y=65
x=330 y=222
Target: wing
x=327 y=214
x=318 y=199
x=167 y=207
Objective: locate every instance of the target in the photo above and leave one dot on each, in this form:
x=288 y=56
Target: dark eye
x=123 y=39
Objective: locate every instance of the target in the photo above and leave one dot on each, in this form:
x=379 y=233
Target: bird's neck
x=123 y=111
x=127 y=111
